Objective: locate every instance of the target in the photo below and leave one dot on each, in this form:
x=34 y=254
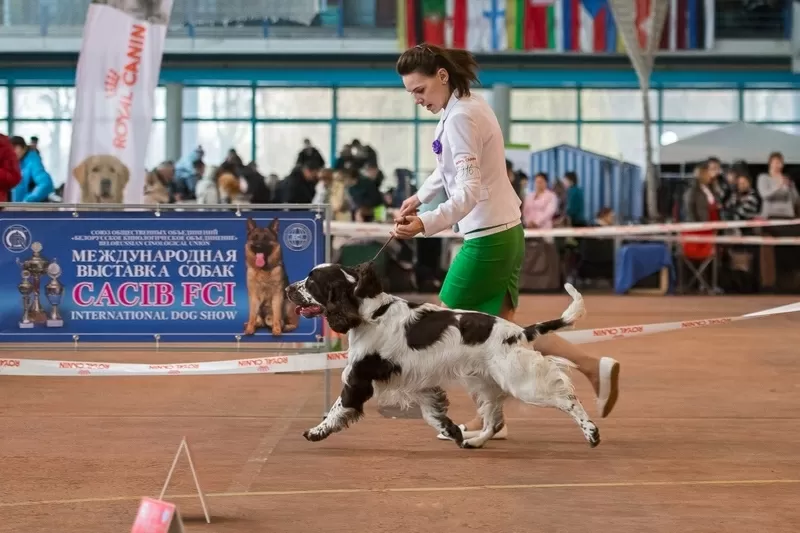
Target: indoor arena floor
x=704 y=439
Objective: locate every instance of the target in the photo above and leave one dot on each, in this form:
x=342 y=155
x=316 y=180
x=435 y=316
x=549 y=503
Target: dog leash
x=391 y=238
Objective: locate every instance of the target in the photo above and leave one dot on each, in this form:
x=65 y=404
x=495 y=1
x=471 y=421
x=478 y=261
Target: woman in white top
x=481 y=203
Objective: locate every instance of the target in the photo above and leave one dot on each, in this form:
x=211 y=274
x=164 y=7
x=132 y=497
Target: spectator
x=366 y=196
x=188 y=171
x=703 y=198
x=34 y=144
x=575 y=203
x=10 y=174
x=298 y=187
x=743 y=203
x=540 y=205
x=778 y=193
x=255 y=184
x=310 y=156
x=36 y=184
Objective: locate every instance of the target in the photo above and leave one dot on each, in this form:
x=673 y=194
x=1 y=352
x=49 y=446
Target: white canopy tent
x=738 y=140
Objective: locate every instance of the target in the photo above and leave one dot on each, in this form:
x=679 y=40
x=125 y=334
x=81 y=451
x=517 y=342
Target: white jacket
x=471 y=169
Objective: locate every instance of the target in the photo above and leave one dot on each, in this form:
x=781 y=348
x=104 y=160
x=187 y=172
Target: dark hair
x=571 y=177
x=543 y=175
x=16 y=140
x=509 y=165
x=775 y=155
x=427 y=59
x=713 y=159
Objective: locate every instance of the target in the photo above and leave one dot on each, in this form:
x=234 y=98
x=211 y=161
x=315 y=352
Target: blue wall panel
x=605 y=182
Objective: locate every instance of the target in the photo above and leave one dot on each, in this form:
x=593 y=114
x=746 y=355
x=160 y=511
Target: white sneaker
x=609 y=386
x=500 y=435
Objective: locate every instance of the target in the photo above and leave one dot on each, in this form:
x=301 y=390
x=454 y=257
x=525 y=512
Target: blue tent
x=606 y=182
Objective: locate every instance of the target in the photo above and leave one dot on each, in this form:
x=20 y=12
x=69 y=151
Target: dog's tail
x=575 y=311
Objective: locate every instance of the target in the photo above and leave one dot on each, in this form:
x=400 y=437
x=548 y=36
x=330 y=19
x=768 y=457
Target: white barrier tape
x=377 y=229
x=323 y=361
x=720 y=239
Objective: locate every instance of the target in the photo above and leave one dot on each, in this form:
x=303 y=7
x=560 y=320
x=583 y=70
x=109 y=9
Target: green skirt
x=484 y=271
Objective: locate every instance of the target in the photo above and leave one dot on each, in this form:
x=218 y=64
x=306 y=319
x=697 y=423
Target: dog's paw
x=314 y=435
x=249 y=329
x=472 y=444
x=592 y=436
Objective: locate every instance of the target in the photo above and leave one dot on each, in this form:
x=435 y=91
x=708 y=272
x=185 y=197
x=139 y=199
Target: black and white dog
x=404 y=353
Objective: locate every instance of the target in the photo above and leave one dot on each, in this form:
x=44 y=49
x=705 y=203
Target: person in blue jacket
x=36 y=184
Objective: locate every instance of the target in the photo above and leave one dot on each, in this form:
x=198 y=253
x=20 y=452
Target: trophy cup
x=36 y=266
x=54 y=292
x=25 y=288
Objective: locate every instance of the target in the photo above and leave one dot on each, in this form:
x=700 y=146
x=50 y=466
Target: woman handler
x=481 y=202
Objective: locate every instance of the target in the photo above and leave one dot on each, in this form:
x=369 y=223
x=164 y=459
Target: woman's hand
x=409 y=207
x=408 y=226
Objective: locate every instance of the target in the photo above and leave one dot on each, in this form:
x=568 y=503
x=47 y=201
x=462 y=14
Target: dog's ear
x=79 y=172
x=275 y=225
x=342 y=313
x=124 y=173
x=369 y=284
x=251 y=225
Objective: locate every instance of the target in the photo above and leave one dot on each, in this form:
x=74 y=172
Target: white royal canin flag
x=118 y=71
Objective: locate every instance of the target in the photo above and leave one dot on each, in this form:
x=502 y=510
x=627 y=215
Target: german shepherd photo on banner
x=267 y=281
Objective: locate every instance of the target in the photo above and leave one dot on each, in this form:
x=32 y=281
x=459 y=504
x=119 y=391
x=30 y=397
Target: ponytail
x=427 y=59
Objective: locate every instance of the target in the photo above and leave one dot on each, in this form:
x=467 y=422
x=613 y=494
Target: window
x=543 y=136
x=544 y=104
x=374 y=103
x=698 y=105
x=294 y=102
x=277 y=145
x=157 y=147
x=771 y=105
x=394 y=143
x=217 y=138
x=616 y=104
x=619 y=141
x=44 y=102
x=3 y=104
x=217 y=102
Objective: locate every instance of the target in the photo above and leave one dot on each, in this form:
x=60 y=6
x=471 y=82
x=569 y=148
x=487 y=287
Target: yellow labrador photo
x=102 y=179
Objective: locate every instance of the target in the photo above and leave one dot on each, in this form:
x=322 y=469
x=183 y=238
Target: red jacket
x=9 y=168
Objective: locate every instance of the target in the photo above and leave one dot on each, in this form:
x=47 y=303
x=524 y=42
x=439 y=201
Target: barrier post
x=326 y=394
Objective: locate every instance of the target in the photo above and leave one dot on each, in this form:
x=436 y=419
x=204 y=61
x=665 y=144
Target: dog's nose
x=105 y=187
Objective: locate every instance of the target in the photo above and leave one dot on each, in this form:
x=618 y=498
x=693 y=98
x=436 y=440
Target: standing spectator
x=299 y=186
x=574 y=207
x=310 y=156
x=778 y=192
x=34 y=144
x=540 y=205
x=10 y=175
x=36 y=184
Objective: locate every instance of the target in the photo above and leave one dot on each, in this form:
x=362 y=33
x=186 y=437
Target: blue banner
x=129 y=276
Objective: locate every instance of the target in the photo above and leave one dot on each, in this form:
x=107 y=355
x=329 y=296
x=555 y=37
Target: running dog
x=404 y=353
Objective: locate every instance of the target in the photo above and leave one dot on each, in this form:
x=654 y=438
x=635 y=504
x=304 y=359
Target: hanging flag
x=476 y=25
x=689 y=24
x=542 y=25
x=515 y=23
x=589 y=26
x=116 y=79
x=433 y=21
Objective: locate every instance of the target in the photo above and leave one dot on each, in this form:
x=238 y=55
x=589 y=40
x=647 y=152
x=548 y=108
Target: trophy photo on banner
x=33 y=270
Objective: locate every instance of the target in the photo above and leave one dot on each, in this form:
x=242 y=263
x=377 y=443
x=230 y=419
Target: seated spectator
x=366 y=197
x=299 y=186
x=10 y=175
x=36 y=184
x=540 y=205
x=188 y=171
